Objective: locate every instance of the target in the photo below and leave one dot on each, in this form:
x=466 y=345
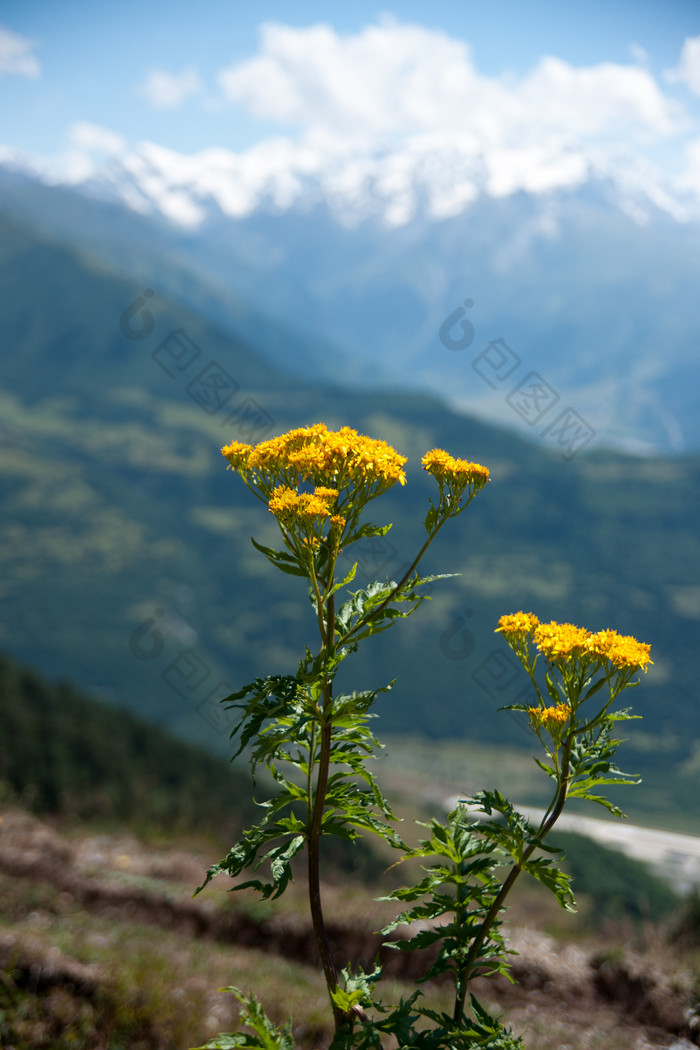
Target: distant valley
x=126 y=558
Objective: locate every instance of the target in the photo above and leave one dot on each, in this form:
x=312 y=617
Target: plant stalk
x=315 y=830
x=364 y=620
x=314 y=867
x=548 y=821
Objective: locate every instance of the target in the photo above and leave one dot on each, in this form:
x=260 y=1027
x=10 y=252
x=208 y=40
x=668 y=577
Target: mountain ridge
x=427 y=176
x=590 y=301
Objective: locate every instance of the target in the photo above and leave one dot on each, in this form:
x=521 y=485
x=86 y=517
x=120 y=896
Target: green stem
x=364 y=620
x=548 y=821
x=315 y=828
x=313 y=856
x=310 y=775
x=319 y=604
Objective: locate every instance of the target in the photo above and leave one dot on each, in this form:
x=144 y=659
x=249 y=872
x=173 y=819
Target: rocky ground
x=100 y=932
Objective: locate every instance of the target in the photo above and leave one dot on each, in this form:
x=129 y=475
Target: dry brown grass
x=100 y=951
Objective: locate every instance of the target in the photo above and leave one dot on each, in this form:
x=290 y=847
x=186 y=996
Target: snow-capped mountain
x=517 y=288
x=424 y=176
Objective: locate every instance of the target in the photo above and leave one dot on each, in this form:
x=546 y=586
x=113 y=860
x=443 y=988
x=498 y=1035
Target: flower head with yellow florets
x=517 y=629
x=621 y=651
x=287 y=504
x=351 y=466
x=554 y=719
x=454 y=476
x=561 y=643
x=583 y=661
x=339 y=459
x=346 y=470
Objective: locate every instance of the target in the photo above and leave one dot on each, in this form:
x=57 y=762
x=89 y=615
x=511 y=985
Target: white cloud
x=639 y=54
x=397 y=118
x=689 y=180
x=395 y=79
x=88 y=149
x=595 y=101
x=169 y=90
x=16 y=58
x=688 y=69
x=95 y=139
x=386 y=78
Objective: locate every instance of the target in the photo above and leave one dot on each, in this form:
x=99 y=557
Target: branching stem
x=548 y=821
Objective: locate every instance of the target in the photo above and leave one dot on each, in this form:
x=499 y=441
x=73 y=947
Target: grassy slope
x=101 y=955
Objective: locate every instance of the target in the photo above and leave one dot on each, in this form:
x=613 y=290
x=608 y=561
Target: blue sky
x=94 y=58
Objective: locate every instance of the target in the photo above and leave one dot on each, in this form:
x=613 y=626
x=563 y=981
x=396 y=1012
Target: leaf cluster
x=376 y=607
x=593 y=766
x=282 y=724
x=264 y=1034
x=482 y=835
x=406 y=1024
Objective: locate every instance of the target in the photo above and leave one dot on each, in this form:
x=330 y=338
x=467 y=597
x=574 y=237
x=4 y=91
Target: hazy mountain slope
x=149 y=252
x=599 y=306
x=126 y=561
x=591 y=286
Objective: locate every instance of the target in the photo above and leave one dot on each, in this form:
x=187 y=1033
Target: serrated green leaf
x=345 y=1000
x=594 y=688
x=556 y=880
x=286 y=562
x=552 y=689
x=266 y=1035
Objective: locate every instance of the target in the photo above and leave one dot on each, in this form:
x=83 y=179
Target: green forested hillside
x=63 y=753
x=125 y=554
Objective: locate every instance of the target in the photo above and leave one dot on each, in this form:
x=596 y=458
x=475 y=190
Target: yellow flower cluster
x=622 y=651
x=517 y=624
x=553 y=719
x=564 y=641
x=457 y=473
x=557 y=641
x=288 y=505
x=325 y=457
x=238 y=454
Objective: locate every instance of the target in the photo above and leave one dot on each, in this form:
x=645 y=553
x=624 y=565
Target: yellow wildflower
x=238 y=454
x=286 y=504
x=564 y=641
x=623 y=651
x=325 y=493
x=327 y=458
x=457 y=472
x=553 y=719
x=560 y=641
x=516 y=624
